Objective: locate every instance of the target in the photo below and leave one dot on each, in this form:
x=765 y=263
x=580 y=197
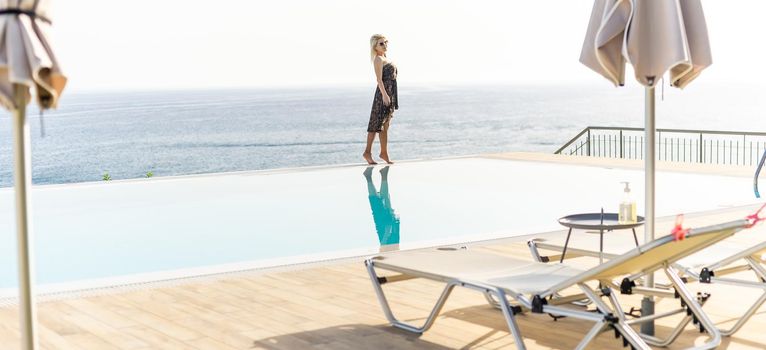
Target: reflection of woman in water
x=386 y=221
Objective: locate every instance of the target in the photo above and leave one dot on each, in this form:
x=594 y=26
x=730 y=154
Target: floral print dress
x=380 y=112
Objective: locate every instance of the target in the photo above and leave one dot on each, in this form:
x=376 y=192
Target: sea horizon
x=132 y=133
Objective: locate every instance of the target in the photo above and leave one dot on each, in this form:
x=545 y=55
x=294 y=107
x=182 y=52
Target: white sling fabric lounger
x=707 y=266
x=538 y=287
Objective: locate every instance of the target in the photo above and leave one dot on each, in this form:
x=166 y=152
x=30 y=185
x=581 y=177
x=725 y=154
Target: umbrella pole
x=647 y=304
x=22 y=175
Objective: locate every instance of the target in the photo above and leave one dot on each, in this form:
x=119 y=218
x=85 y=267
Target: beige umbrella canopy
x=26 y=54
x=656 y=37
x=27 y=63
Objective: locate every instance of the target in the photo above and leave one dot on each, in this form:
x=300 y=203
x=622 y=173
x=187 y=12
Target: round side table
x=597 y=221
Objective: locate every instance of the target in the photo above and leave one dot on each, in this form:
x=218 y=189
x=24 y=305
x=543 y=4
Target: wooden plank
x=155 y=338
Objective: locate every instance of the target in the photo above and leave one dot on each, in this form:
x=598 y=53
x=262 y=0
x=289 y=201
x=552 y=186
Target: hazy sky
x=159 y=44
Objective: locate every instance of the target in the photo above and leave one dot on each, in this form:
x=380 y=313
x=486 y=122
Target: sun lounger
x=707 y=266
x=542 y=288
x=738 y=260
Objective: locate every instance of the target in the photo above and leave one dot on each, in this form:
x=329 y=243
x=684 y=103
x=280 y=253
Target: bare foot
x=384 y=156
x=368 y=158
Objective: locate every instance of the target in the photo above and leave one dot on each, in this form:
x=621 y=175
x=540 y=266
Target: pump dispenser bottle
x=627 y=213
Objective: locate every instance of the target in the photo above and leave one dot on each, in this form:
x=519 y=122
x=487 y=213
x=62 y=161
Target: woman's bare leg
x=384 y=141
x=368 y=150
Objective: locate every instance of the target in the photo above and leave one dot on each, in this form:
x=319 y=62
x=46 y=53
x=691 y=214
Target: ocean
x=128 y=134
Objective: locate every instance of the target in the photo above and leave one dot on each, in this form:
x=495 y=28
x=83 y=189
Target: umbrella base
x=647 y=308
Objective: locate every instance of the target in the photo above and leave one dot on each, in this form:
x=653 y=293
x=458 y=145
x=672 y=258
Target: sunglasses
x=383 y=43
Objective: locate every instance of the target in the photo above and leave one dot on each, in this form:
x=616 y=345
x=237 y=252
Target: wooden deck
x=333 y=306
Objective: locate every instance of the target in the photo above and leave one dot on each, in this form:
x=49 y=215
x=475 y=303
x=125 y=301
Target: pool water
x=178 y=226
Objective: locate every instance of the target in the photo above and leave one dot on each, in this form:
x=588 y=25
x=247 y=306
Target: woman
x=386 y=99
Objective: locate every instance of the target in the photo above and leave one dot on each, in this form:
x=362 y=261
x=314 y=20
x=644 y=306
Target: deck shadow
x=349 y=336
x=565 y=333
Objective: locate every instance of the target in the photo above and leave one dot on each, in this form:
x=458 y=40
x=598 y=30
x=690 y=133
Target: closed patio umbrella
x=655 y=37
x=27 y=62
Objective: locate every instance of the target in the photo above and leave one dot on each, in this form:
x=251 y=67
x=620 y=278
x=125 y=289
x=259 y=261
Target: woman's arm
x=379 y=75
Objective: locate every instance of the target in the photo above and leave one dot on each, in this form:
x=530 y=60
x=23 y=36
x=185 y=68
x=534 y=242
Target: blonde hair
x=374 y=42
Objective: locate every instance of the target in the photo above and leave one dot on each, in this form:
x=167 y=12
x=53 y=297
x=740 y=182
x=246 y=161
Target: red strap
x=678 y=232
x=755 y=218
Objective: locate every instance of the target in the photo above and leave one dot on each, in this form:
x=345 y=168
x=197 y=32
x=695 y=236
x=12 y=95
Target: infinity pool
x=169 y=227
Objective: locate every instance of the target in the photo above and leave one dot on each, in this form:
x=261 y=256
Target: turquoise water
x=123 y=228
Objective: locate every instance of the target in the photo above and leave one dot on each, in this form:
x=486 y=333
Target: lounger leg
x=510 y=319
x=691 y=303
x=672 y=336
x=628 y=333
x=595 y=331
x=387 y=308
x=748 y=314
x=650 y=339
x=757 y=268
x=535 y=253
x=760 y=272
x=491 y=300
x=631 y=336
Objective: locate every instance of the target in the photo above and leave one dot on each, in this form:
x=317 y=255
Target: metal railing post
x=621 y=145
x=744 y=140
x=588 y=141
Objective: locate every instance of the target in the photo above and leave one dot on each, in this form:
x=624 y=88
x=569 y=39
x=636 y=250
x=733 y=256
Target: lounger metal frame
x=607 y=315
x=603 y=319
x=749 y=259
